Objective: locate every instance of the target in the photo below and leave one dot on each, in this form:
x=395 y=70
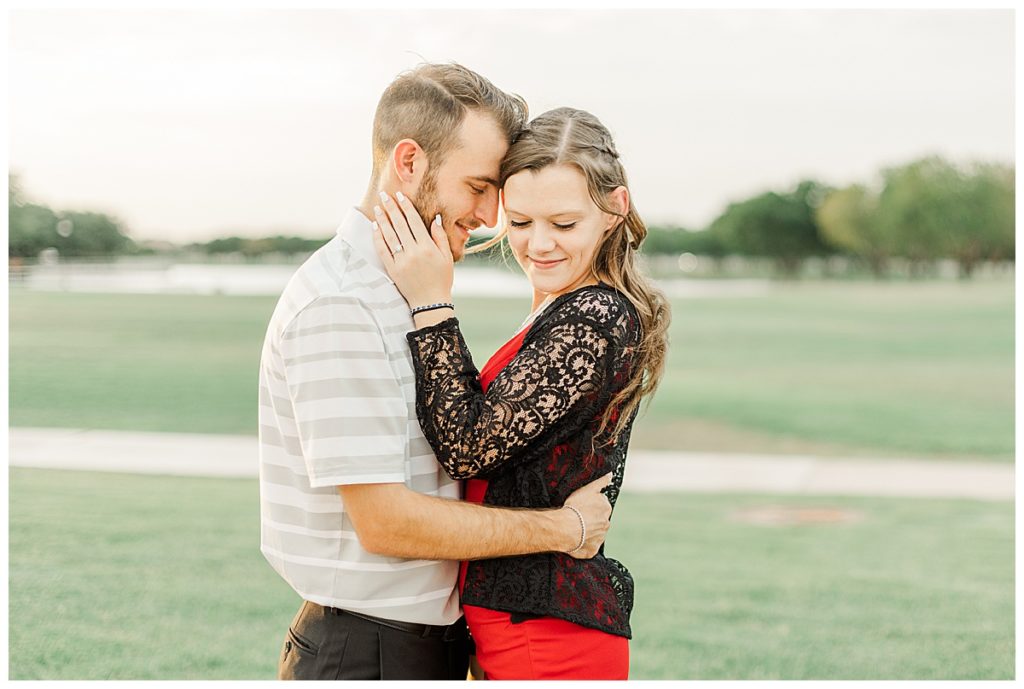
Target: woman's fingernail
x=400 y=195
x=376 y=226
x=437 y=220
x=383 y=197
x=377 y=210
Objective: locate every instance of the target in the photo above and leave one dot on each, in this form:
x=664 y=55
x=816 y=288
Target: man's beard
x=428 y=207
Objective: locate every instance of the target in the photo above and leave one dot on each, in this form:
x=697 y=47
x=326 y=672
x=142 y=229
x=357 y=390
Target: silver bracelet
x=583 y=529
x=431 y=307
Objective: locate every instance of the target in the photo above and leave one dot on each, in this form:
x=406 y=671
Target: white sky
x=193 y=124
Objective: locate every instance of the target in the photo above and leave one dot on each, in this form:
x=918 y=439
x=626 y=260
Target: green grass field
x=117 y=576
x=864 y=369
x=139 y=577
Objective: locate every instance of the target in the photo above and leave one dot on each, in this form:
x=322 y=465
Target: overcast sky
x=188 y=125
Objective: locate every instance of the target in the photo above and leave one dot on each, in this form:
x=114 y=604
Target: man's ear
x=409 y=162
x=618 y=199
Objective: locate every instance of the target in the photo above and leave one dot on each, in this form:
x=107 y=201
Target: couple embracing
x=407 y=496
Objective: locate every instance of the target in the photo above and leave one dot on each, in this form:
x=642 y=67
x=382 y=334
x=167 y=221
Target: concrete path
x=647 y=471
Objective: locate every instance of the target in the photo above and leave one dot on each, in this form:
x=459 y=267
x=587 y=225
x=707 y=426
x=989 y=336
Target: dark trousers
x=327 y=643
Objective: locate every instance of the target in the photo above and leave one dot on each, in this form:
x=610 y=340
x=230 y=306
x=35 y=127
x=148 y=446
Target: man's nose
x=487 y=209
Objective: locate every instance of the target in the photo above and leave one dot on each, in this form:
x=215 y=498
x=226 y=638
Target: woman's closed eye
x=525 y=223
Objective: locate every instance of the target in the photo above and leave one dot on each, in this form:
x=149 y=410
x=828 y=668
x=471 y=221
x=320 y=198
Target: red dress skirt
x=544 y=647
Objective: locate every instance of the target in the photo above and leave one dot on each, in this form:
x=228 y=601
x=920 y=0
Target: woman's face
x=555 y=227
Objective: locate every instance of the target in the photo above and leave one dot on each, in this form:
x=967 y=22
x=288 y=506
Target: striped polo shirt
x=337 y=406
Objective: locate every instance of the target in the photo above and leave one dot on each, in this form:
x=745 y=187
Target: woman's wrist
x=424 y=319
x=417 y=302
x=431 y=307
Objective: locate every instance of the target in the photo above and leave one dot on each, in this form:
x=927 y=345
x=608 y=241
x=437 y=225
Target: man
x=356 y=514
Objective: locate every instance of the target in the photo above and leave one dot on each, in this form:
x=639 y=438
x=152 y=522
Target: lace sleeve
x=551 y=389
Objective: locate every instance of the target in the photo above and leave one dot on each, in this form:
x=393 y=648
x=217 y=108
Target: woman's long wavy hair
x=566 y=136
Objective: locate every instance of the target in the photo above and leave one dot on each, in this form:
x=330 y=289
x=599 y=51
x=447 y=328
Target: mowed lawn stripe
x=119 y=576
x=886 y=369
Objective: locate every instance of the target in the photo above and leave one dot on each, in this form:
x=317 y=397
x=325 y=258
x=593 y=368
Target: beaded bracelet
x=431 y=307
x=583 y=529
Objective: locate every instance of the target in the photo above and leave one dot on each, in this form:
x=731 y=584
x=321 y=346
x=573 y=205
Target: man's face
x=464 y=189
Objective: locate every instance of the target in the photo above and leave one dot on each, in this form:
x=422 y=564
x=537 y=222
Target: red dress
x=542 y=647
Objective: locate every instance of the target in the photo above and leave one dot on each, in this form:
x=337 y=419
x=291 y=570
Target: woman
x=553 y=408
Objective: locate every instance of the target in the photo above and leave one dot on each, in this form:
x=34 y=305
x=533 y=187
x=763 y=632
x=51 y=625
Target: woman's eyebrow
x=552 y=215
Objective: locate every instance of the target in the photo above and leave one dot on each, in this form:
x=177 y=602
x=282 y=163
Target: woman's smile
x=545 y=264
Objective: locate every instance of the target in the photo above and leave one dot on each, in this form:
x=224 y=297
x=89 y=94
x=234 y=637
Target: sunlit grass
x=118 y=576
x=912 y=369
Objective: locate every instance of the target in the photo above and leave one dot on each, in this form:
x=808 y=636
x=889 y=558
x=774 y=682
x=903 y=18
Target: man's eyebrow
x=486 y=180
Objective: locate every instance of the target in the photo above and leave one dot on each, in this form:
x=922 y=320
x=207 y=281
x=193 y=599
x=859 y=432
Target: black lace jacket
x=531 y=436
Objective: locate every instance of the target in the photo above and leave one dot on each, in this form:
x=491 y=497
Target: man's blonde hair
x=427 y=104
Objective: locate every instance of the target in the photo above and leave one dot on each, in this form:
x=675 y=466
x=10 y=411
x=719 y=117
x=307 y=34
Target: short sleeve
x=349 y=408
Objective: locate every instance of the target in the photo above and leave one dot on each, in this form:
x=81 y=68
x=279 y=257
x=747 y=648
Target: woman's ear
x=618 y=199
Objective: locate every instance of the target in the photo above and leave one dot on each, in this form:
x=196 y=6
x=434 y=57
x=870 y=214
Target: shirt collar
x=356 y=230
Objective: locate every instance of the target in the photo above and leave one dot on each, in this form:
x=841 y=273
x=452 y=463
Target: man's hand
x=596 y=511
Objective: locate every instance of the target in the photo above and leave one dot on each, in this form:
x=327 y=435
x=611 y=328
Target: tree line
x=34 y=227
x=921 y=212
x=250 y=248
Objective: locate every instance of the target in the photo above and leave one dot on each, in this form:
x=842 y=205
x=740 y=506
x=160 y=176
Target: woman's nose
x=541 y=240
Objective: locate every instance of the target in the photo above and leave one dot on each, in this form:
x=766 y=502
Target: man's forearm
x=393 y=520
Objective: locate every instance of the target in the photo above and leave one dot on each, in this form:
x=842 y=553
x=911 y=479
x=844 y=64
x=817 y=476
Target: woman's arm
x=552 y=389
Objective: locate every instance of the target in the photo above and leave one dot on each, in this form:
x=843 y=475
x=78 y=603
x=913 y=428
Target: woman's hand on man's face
x=417 y=259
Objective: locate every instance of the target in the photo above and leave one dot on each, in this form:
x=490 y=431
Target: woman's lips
x=543 y=265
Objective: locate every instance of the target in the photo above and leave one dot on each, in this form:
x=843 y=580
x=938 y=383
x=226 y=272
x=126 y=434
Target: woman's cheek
x=518 y=248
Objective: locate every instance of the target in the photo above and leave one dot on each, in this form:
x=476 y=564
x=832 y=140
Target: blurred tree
x=260 y=246
x=934 y=209
x=990 y=215
x=678 y=240
x=257 y=247
x=848 y=219
x=291 y=245
x=31 y=227
x=663 y=240
x=917 y=209
x=295 y=245
x=91 y=234
x=779 y=226
x=34 y=227
x=223 y=245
